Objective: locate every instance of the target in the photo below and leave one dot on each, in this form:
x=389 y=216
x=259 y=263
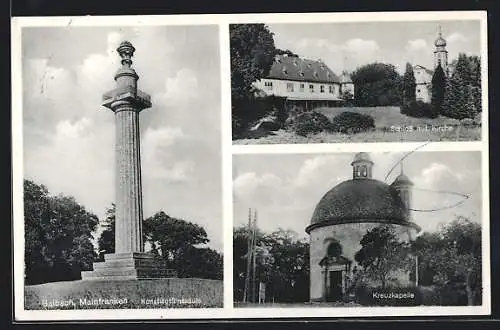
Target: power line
x=404 y=157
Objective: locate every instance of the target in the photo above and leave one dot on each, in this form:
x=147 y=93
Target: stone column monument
x=129 y=260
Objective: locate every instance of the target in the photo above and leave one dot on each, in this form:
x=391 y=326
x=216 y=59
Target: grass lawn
x=118 y=294
x=390 y=126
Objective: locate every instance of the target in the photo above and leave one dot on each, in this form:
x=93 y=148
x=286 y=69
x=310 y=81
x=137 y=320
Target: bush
x=247 y=112
x=352 y=122
x=419 y=109
x=310 y=123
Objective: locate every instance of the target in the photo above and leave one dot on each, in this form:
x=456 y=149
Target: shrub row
x=346 y=122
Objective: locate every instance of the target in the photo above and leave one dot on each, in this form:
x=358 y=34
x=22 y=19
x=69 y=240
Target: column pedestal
x=129 y=266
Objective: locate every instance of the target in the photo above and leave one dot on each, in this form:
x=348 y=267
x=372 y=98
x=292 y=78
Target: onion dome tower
x=440 y=53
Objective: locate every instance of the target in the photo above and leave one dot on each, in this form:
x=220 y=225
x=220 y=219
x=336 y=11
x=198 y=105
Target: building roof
x=298 y=69
x=402 y=179
x=429 y=71
x=362 y=156
x=360 y=201
x=345 y=79
x=440 y=41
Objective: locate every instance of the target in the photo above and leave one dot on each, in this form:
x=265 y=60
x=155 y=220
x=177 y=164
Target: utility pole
x=249 y=249
x=254 y=264
x=416 y=270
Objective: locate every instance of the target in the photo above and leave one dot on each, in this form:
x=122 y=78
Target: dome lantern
x=362 y=166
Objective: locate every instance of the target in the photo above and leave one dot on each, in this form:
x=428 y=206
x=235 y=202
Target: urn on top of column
x=126 y=84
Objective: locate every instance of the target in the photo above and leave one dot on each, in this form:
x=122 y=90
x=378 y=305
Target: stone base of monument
x=129 y=266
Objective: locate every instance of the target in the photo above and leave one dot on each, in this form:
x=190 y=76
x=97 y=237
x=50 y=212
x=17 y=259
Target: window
x=268 y=85
x=334 y=250
x=301 y=87
x=285 y=72
x=364 y=171
x=322 y=88
x=301 y=74
x=289 y=87
x=315 y=74
x=311 y=88
x=331 y=89
x=418 y=90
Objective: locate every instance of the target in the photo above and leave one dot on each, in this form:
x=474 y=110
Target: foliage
x=409 y=85
x=252 y=55
x=310 y=122
x=284 y=268
x=420 y=109
x=58 y=239
x=463 y=89
x=175 y=241
x=382 y=255
x=260 y=107
x=377 y=84
x=106 y=241
x=438 y=90
x=451 y=259
x=352 y=122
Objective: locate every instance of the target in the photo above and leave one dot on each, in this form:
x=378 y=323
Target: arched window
x=364 y=171
x=334 y=250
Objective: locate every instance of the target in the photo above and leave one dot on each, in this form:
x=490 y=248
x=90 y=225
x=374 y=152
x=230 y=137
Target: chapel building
x=344 y=215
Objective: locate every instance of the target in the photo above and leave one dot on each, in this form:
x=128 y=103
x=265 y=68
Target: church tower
x=440 y=53
x=403 y=186
x=362 y=166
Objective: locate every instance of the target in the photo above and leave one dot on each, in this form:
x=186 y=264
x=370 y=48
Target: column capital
x=135 y=98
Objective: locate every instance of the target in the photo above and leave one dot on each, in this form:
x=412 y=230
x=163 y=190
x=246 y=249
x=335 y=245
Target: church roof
x=299 y=69
x=440 y=41
x=360 y=201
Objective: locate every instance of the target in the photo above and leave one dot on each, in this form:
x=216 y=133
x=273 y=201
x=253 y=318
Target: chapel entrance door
x=335 y=292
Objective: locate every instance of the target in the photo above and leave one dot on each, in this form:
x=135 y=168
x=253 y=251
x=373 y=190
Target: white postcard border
x=228 y=311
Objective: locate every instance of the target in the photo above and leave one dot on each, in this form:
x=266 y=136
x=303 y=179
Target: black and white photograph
x=244 y=166
x=343 y=82
x=122 y=167
x=358 y=229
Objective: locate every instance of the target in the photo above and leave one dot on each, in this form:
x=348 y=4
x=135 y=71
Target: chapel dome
x=360 y=201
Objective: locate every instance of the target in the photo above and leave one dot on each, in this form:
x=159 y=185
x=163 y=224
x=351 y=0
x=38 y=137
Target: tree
x=382 y=254
x=409 y=86
x=106 y=241
x=282 y=263
x=453 y=256
x=438 y=84
x=177 y=241
x=240 y=251
x=377 y=84
x=252 y=55
x=463 y=90
x=58 y=236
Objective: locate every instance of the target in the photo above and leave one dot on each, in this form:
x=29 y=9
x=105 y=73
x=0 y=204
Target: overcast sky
x=69 y=137
x=286 y=188
x=349 y=45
